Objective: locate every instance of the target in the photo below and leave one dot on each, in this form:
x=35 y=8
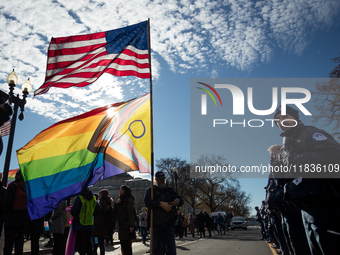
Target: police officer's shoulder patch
x=317 y=136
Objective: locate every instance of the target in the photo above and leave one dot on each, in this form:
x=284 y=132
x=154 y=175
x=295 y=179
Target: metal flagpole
x=152 y=155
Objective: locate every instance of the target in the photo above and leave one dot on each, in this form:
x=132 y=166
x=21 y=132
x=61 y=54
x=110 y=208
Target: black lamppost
x=26 y=88
x=175 y=172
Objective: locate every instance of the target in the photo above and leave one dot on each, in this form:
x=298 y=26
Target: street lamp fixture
x=26 y=88
x=12 y=79
x=175 y=170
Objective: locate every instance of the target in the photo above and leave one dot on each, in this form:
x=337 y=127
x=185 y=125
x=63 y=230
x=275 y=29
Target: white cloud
x=189 y=35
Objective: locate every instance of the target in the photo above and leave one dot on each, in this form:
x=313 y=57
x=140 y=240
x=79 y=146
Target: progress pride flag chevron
x=80 y=60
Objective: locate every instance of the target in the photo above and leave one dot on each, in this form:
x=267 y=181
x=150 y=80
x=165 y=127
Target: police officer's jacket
x=306 y=147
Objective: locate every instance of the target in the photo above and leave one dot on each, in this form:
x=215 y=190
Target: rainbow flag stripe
x=75 y=153
x=11 y=175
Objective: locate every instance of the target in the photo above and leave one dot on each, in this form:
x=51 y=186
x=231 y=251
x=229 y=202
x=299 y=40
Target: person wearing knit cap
x=289 y=110
x=104 y=192
x=316 y=198
x=290 y=119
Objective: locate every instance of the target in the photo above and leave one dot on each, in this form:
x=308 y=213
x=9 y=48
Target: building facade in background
x=112 y=184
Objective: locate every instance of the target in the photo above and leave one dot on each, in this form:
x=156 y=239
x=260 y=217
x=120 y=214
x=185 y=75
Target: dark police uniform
x=293 y=235
x=318 y=199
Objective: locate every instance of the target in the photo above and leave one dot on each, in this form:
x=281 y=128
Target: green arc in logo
x=208 y=93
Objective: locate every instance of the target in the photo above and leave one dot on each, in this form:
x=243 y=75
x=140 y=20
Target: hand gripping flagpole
x=152 y=156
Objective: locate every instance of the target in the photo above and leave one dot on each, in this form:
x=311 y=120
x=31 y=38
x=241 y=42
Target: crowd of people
x=92 y=219
x=201 y=223
x=300 y=213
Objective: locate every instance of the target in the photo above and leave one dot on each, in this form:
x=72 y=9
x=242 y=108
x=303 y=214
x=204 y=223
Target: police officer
x=274 y=200
x=317 y=198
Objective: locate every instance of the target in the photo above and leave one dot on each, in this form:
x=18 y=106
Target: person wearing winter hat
x=290 y=119
x=104 y=192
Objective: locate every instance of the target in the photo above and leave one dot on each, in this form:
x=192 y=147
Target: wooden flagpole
x=152 y=155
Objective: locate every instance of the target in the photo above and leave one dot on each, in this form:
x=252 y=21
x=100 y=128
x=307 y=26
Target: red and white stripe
x=5 y=128
x=80 y=60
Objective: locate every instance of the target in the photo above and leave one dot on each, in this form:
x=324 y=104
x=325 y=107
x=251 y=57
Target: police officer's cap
x=289 y=110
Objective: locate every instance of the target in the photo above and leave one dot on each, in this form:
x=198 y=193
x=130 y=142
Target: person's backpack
x=20 y=198
x=109 y=217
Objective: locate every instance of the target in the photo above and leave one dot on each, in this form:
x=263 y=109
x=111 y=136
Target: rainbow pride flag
x=11 y=175
x=72 y=154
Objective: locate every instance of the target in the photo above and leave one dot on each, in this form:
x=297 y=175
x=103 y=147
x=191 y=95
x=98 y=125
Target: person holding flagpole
x=164 y=204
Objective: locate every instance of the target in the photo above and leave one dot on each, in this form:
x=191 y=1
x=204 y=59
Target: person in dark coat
x=16 y=215
x=83 y=209
x=111 y=229
x=201 y=221
x=2 y=193
x=47 y=218
x=58 y=221
x=99 y=226
x=258 y=218
x=179 y=225
x=125 y=211
x=67 y=223
x=165 y=205
x=312 y=188
x=35 y=228
x=192 y=224
x=209 y=223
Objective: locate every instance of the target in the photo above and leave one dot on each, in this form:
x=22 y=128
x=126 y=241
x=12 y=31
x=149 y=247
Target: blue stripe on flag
x=40 y=205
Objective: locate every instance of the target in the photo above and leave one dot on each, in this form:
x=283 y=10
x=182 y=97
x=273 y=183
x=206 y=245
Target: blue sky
x=190 y=39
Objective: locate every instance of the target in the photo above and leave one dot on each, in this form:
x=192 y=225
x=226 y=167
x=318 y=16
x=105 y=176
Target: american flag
x=80 y=60
x=5 y=128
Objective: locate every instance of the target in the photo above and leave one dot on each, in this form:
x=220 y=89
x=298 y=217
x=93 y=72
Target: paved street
x=236 y=242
